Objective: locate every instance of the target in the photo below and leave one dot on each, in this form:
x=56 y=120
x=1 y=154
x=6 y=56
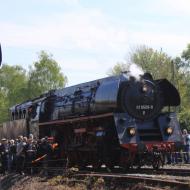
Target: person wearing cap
x=4 y=153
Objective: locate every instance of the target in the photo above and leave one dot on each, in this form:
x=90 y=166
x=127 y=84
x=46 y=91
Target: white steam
x=135 y=71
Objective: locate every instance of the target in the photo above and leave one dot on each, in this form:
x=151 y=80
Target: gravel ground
x=25 y=182
x=32 y=183
x=17 y=182
x=178 y=166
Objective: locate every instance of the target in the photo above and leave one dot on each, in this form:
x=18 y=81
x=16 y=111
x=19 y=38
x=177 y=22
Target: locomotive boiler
x=116 y=121
x=142 y=99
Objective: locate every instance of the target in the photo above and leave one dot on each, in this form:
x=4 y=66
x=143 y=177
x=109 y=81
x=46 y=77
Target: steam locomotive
x=116 y=121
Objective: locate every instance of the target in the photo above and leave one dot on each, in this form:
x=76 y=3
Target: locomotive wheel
x=140 y=160
x=82 y=165
x=97 y=166
x=126 y=168
x=140 y=164
x=109 y=166
x=126 y=160
x=72 y=159
x=156 y=164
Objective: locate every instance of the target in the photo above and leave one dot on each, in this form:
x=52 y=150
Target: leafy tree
x=186 y=56
x=45 y=75
x=13 y=83
x=184 y=86
x=160 y=65
x=118 y=69
x=3 y=107
x=13 y=88
x=17 y=85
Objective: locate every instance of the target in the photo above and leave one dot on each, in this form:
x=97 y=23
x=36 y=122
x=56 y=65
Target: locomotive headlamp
x=131 y=131
x=144 y=88
x=169 y=130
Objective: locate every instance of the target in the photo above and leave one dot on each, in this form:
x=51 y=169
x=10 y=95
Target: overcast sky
x=88 y=37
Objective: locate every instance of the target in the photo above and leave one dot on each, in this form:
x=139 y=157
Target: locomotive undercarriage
x=97 y=142
x=154 y=159
x=92 y=142
x=136 y=160
x=104 y=140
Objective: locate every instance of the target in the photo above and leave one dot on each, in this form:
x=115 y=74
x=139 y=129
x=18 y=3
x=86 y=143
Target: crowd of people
x=20 y=154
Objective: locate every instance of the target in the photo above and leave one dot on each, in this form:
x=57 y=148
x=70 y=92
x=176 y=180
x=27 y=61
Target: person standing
x=12 y=155
x=4 y=153
x=186 y=138
x=20 y=155
x=30 y=154
x=46 y=151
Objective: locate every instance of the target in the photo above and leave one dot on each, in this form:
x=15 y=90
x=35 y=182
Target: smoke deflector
x=170 y=93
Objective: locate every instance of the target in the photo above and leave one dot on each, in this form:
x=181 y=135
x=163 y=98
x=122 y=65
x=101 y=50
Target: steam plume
x=135 y=71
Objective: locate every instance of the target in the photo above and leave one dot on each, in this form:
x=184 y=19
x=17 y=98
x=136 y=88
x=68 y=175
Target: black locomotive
x=114 y=121
x=142 y=99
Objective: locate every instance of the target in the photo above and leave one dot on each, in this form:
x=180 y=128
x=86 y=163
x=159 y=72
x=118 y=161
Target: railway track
x=165 y=177
x=164 y=171
x=130 y=178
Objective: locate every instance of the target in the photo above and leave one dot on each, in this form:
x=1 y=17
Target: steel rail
x=167 y=171
x=129 y=178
